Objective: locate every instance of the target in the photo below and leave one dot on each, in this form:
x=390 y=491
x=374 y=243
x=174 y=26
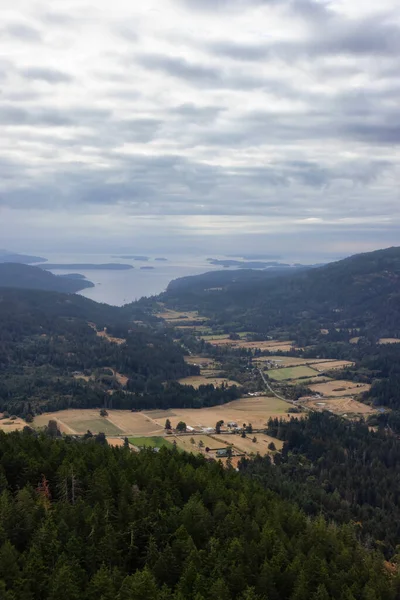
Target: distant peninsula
x=22 y=259
x=162 y=259
x=245 y=264
x=146 y=268
x=256 y=256
x=34 y=278
x=86 y=267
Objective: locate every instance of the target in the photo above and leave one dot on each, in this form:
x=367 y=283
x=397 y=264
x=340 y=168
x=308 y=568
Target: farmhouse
x=222 y=453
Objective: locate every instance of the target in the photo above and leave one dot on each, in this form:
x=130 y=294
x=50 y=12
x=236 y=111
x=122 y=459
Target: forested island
x=245 y=264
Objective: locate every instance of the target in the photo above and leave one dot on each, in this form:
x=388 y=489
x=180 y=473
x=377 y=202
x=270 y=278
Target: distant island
x=162 y=259
x=133 y=257
x=87 y=267
x=24 y=259
x=256 y=256
x=226 y=263
x=146 y=268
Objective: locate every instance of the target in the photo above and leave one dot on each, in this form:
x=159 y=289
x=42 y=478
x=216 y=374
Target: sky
x=200 y=126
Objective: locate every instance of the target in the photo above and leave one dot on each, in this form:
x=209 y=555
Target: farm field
x=198 y=329
x=340 y=387
x=282 y=361
x=223 y=336
x=115 y=441
x=150 y=442
x=77 y=421
x=197 y=380
x=315 y=380
x=7 y=425
x=255 y=410
x=183 y=442
x=294 y=361
x=291 y=373
x=270 y=346
x=178 y=318
x=339 y=406
x=216 y=336
x=331 y=365
x=199 y=360
x=248 y=446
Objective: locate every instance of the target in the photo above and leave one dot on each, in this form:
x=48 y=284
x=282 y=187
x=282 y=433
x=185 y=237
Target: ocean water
x=121 y=287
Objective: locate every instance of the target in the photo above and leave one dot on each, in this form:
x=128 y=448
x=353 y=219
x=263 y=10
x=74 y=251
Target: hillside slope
x=112 y=524
x=15 y=275
x=362 y=291
x=65 y=351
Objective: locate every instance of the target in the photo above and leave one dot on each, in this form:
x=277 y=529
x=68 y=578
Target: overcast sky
x=203 y=125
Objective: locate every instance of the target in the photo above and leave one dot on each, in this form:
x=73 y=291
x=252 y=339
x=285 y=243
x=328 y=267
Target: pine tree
x=140 y=586
x=101 y=586
x=63 y=584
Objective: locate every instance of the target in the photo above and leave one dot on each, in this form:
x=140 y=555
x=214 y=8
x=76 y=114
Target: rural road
x=267 y=385
x=292 y=402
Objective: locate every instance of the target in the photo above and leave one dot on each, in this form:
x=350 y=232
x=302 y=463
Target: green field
x=215 y=336
x=94 y=425
x=291 y=373
x=150 y=442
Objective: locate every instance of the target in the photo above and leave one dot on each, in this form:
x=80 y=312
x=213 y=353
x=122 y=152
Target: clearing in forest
x=331 y=365
x=346 y=407
x=389 y=341
x=256 y=410
x=197 y=380
x=202 y=361
x=248 y=446
x=270 y=345
x=105 y=335
x=118 y=422
x=340 y=387
x=150 y=442
x=185 y=443
x=175 y=317
x=291 y=373
x=7 y=425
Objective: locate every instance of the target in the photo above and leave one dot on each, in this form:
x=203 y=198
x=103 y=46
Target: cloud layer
x=262 y=123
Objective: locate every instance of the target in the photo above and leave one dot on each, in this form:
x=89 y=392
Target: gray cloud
x=179 y=67
x=233 y=130
x=338 y=36
x=45 y=74
x=22 y=32
x=211 y=77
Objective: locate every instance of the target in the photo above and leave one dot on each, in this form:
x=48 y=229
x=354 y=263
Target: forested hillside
x=82 y=521
x=362 y=291
x=21 y=276
x=340 y=469
x=59 y=351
